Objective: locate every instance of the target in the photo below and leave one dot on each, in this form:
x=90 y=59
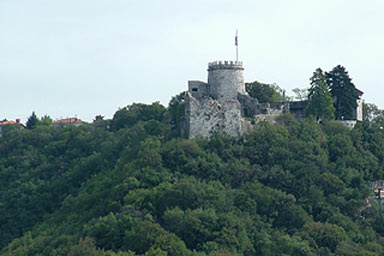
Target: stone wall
x=206 y=116
x=198 y=89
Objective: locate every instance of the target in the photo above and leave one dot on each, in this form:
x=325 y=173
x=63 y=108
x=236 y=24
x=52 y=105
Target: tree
x=46 y=120
x=264 y=92
x=176 y=110
x=343 y=92
x=132 y=114
x=300 y=94
x=370 y=111
x=325 y=234
x=85 y=247
x=32 y=121
x=98 y=118
x=320 y=103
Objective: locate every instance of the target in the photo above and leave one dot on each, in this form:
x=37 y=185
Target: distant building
x=15 y=124
x=377 y=187
x=68 y=121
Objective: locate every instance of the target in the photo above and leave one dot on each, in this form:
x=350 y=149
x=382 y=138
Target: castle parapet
x=227 y=64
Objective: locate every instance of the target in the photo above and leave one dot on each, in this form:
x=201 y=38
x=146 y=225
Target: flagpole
x=237 y=45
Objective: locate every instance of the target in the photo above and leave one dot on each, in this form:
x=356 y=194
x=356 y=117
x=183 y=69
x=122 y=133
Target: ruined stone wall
x=269 y=111
x=206 y=116
x=198 y=89
x=296 y=108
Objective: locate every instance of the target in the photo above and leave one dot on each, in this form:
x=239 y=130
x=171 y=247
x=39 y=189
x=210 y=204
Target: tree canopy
x=32 y=121
x=320 y=102
x=291 y=188
x=343 y=91
x=264 y=92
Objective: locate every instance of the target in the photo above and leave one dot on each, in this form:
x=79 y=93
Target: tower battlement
x=227 y=64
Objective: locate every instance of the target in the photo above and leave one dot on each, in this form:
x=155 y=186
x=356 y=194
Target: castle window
x=194 y=89
x=245 y=110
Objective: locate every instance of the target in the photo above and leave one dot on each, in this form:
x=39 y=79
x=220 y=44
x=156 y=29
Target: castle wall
x=198 y=89
x=348 y=123
x=296 y=108
x=206 y=116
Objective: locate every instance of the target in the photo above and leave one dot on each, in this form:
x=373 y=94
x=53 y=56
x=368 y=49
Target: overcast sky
x=83 y=58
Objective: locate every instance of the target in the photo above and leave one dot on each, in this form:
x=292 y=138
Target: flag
x=236 y=39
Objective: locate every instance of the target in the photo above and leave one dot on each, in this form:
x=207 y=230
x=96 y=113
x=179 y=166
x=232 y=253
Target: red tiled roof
x=72 y=120
x=11 y=122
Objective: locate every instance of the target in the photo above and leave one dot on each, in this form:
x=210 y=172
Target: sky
x=82 y=58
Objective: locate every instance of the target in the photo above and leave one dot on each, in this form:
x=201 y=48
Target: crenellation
x=225 y=65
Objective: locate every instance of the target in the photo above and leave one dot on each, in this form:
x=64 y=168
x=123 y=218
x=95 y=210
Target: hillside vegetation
x=131 y=186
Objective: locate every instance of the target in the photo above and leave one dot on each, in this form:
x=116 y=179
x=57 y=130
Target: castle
x=223 y=105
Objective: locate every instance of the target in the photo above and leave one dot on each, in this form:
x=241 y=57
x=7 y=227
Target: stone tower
x=226 y=80
x=214 y=106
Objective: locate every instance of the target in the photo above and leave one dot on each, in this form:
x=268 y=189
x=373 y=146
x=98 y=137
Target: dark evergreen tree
x=343 y=92
x=32 y=121
x=320 y=103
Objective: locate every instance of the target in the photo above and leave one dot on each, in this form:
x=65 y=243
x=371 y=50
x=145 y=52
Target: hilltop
x=132 y=186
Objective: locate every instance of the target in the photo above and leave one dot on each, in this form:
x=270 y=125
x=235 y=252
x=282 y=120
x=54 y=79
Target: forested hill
x=131 y=186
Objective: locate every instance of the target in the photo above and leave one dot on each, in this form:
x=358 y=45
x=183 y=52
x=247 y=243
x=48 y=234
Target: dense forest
x=132 y=186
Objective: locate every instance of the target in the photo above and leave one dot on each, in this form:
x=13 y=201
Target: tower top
x=217 y=65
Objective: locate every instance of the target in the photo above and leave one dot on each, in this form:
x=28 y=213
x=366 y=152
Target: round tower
x=226 y=79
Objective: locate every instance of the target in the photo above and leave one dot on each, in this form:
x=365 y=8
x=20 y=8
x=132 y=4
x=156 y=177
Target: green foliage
x=128 y=116
x=370 y=111
x=324 y=235
x=343 y=91
x=45 y=120
x=320 y=102
x=84 y=247
x=32 y=121
x=176 y=110
x=294 y=188
x=264 y=92
x=300 y=94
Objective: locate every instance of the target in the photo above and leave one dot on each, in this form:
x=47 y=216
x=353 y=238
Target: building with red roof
x=17 y=124
x=69 y=121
